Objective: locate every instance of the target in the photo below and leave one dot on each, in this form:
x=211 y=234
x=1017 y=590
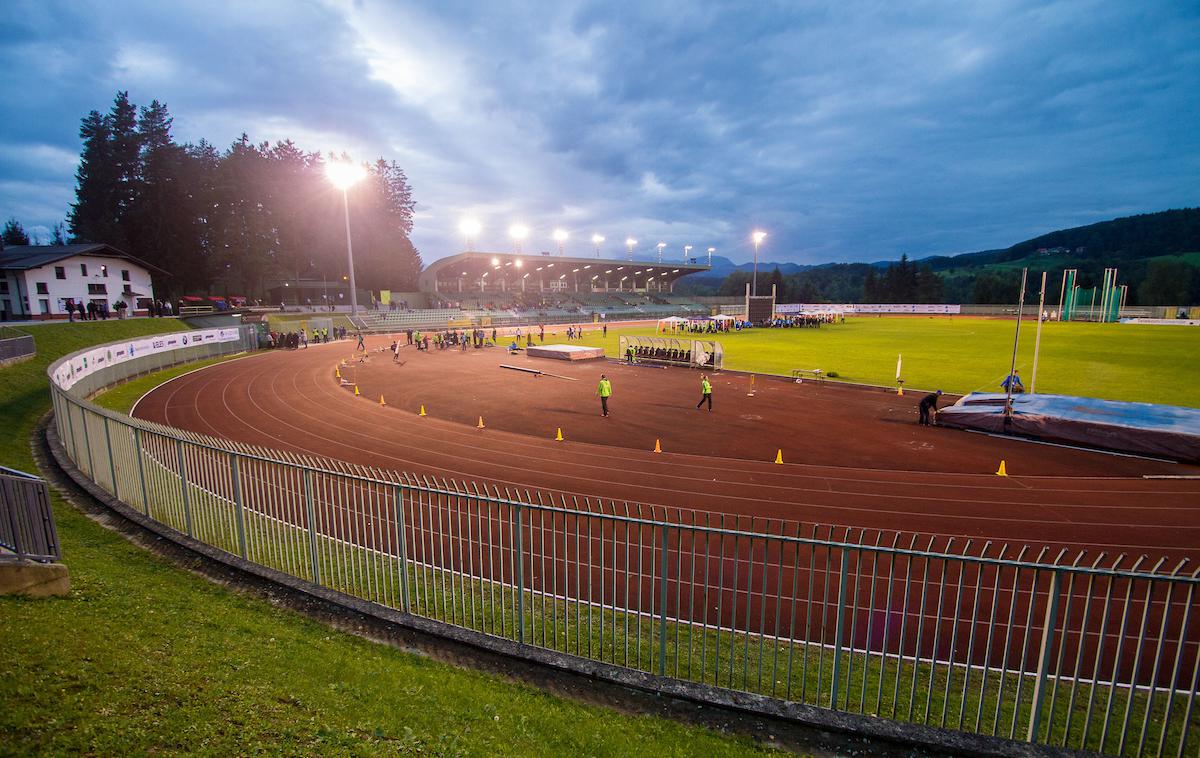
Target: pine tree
x=14 y=234
x=92 y=217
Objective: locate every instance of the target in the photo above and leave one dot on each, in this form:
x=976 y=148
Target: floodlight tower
x=711 y=250
x=560 y=236
x=518 y=232
x=596 y=240
x=469 y=228
x=758 y=238
x=630 y=243
x=344 y=175
x=686 y=249
x=660 y=247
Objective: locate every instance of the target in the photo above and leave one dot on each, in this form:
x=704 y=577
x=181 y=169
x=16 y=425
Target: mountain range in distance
x=1131 y=237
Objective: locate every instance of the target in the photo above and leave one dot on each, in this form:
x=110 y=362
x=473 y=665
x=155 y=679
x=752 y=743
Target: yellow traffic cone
x=1001 y=471
x=657 y=445
x=558 y=437
x=337 y=372
x=779 y=456
x=900 y=391
x=480 y=424
x=356 y=392
x=422 y=413
x=381 y=400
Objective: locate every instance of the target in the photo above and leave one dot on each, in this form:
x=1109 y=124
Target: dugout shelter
x=674 y=351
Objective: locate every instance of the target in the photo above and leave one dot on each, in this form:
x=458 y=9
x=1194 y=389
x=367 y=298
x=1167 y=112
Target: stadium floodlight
x=711 y=250
x=630 y=243
x=495 y=261
x=560 y=236
x=469 y=228
x=758 y=238
x=660 y=247
x=344 y=175
x=686 y=249
x=518 y=232
x=518 y=263
x=596 y=240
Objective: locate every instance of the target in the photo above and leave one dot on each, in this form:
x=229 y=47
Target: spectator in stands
x=1013 y=380
x=928 y=403
x=705 y=393
x=604 y=392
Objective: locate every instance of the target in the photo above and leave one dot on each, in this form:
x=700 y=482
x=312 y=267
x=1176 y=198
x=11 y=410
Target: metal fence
x=1091 y=653
x=15 y=344
x=26 y=521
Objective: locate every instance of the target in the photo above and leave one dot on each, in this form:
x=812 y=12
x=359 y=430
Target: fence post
x=520 y=566
x=183 y=486
x=837 y=634
x=14 y=528
x=662 y=606
x=402 y=537
x=137 y=441
x=112 y=467
x=1044 y=655
x=87 y=442
x=312 y=526
x=237 y=499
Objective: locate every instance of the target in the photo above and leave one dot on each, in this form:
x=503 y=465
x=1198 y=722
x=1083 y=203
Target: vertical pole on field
x=1062 y=296
x=310 y=514
x=1104 y=296
x=183 y=486
x=137 y=441
x=1016 y=341
x=1037 y=341
x=237 y=499
x=1044 y=655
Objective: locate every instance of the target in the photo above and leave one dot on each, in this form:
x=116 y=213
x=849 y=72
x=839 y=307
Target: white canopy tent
x=670 y=323
x=723 y=317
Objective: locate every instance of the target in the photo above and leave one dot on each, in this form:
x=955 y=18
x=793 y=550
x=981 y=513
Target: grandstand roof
x=539 y=270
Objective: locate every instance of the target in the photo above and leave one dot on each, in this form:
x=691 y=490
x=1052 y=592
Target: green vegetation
x=143 y=657
x=1155 y=364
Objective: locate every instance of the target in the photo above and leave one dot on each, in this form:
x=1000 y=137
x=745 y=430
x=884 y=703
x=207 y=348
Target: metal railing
x=26 y=520
x=1087 y=653
x=15 y=344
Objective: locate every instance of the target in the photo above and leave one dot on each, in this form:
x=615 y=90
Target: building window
x=44 y=306
x=97 y=289
x=128 y=289
x=83 y=268
x=3 y=286
x=124 y=274
x=60 y=272
x=42 y=288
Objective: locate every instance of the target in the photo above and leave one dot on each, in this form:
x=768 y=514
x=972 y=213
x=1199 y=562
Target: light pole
x=470 y=229
x=630 y=242
x=711 y=250
x=518 y=232
x=758 y=238
x=560 y=236
x=596 y=240
x=344 y=175
x=660 y=247
x=686 y=249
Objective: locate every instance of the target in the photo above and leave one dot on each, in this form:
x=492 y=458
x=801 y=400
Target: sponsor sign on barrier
x=98 y=358
x=923 y=308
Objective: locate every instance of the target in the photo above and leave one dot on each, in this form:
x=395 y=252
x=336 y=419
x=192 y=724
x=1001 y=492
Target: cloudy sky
x=847 y=130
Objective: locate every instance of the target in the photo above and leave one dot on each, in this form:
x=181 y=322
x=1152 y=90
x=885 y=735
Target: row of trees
x=235 y=221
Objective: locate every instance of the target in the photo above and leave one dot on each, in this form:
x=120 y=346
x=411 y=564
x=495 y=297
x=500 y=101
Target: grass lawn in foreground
x=143 y=657
x=1156 y=364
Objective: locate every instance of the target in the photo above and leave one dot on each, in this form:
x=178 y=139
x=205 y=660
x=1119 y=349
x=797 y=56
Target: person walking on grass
x=705 y=393
x=604 y=391
x=928 y=403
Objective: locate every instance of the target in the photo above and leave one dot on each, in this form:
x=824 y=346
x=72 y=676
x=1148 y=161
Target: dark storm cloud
x=850 y=131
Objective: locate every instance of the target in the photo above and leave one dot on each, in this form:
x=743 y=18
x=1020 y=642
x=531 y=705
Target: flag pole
x=1037 y=342
x=1016 y=341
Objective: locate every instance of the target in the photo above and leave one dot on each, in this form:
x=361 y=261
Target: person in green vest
x=705 y=393
x=604 y=390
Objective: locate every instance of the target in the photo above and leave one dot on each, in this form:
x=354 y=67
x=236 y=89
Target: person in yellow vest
x=705 y=393
x=604 y=390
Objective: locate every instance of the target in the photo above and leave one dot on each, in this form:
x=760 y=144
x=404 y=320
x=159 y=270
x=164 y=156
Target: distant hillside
x=1156 y=254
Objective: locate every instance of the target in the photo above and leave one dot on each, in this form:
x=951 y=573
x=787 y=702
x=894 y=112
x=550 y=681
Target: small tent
x=670 y=324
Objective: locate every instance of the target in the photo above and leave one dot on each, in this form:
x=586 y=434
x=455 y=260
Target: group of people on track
x=604 y=391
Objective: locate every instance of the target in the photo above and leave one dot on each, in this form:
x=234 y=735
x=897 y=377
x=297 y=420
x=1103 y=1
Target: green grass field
x=1156 y=364
x=143 y=657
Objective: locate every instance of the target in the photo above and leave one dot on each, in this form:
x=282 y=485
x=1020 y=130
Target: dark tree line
x=237 y=221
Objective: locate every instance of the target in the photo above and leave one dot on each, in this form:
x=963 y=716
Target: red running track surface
x=853 y=456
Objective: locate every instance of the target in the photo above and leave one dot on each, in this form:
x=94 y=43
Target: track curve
x=853 y=456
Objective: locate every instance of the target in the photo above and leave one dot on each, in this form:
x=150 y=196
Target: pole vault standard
x=1016 y=340
x=1037 y=342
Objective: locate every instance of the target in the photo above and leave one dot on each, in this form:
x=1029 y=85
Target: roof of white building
x=25 y=257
